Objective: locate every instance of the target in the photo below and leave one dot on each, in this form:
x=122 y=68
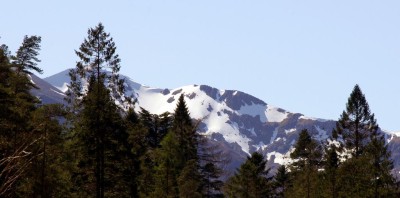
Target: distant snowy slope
x=47 y=93
x=59 y=80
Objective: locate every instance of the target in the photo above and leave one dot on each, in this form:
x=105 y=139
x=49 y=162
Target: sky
x=303 y=56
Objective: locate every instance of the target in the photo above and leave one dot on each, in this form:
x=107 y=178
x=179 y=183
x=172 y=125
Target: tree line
x=98 y=145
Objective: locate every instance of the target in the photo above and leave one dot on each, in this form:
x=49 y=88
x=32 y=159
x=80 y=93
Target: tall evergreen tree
x=357 y=124
x=26 y=58
x=178 y=148
x=307 y=151
x=17 y=106
x=95 y=84
x=20 y=84
x=369 y=165
x=307 y=158
x=185 y=132
x=97 y=141
x=98 y=59
x=18 y=141
x=251 y=179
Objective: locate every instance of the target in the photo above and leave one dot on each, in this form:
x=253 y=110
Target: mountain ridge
x=240 y=122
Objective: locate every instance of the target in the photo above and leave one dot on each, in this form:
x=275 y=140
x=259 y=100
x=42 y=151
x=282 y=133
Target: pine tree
x=213 y=160
x=48 y=175
x=189 y=180
x=98 y=59
x=98 y=127
x=178 y=148
x=281 y=181
x=382 y=164
x=8 y=169
x=138 y=146
x=356 y=124
x=157 y=126
x=185 y=132
x=307 y=151
x=6 y=99
x=355 y=178
x=211 y=180
x=331 y=165
x=307 y=158
x=166 y=170
x=20 y=85
x=17 y=106
x=251 y=179
x=26 y=57
x=369 y=165
x=98 y=135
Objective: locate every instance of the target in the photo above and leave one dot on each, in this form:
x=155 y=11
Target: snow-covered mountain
x=238 y=121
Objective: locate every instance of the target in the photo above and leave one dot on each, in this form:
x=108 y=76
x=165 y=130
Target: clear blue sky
x=303 y=56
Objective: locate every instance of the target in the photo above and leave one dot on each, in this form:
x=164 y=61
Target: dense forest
x=98 y=145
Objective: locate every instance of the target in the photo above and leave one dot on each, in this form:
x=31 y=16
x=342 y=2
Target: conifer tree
x=382 y=164
x=213 y=160
x=331 y=165
x=20 y=84
x=26 y=58
x=48 y=175
x=178 y=148
x=134 y=147
x=166 y=170
x=369 y=165
x=307 y=151
x=251 y=179
x=185 y=132
x=157 y=126
x=189 y=180
x=6 y=98
x=211 y=183
x=307 y=158
x=281 y=181
x=98 y=60
x=18 y=141
x=139 y=174
x=357 y=124
x=98 y=135
x=8 y=175
x=98 y=126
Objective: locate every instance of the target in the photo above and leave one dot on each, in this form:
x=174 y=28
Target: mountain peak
x=241 y=123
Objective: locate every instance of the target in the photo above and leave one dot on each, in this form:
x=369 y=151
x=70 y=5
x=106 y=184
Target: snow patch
x=394 y=133
x=287 y=131
x=260 y=146
x=254 y=110
x=274 y=114
x=274 y=135
x=282 y=159
x=311 y=118
x=322 y=134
